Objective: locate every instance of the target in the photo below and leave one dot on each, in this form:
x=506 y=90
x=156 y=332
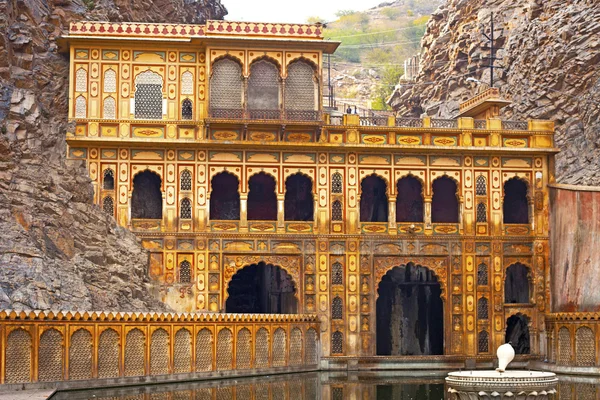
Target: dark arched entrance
x=146 y=199
x=517 y=333
x=225 y=198
x=516 y=284
x=410 y=312
x=373 y=200
x=262 y=199
x=262 y=289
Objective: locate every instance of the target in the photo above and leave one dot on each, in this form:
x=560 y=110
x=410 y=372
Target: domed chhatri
x=499 y=384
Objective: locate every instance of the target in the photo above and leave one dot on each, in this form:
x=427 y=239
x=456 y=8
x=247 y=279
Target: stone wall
x=550 y=69
x=57 y=250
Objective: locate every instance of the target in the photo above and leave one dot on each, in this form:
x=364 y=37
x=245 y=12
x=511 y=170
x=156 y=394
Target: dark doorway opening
x=409 y=202
x=262 y=199
x=515 y=207
x=373 y=200
x=516 y=284
x=261 y=288
x=146 y=199
x=410 y=312
x=444 y=204
x=225 y=197
x=298 y=203
x=517 y=333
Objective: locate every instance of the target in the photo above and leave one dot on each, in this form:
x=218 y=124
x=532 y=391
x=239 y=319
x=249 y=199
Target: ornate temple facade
x=405 y=237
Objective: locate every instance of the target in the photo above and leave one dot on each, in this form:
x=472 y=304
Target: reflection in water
x=309 y=386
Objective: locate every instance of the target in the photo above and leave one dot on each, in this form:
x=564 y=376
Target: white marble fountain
x=501 y=384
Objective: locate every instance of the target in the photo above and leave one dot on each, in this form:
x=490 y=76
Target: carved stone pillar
x=244 y=211
x=280 y=211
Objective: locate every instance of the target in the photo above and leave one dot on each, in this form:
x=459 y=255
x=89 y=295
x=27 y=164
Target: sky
x=291 y=11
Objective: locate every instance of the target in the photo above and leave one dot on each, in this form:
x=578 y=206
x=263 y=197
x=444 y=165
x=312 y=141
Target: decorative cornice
x=573 y=316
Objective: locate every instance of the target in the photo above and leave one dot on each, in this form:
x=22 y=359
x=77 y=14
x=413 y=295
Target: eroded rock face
x=551 y=61
x=57 y=250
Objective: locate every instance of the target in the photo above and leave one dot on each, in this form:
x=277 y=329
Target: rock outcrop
x=57 y=249
x=550 y=68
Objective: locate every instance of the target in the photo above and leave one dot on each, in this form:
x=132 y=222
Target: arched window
x=482 y=274
x=300 y=91
x=187 y=83
x=225 y=86
x=337 y=274
x=515 y=207
x=373 y=200
x=185 y=272
x=444 y=204
x=108 y=182
x=480 y=186
x=337 y=211
x=263 y=90
x=262 y=199
x=337 y=308
x=108 y=205
x=186 y=109
x=80 y=107
x=110 y=81
x=146 y=198
x=185 y=211
x=81 y=80
x=516 y=284
x=109 y=109
x=148 y=95
x=482 y=308
x=484 y=345
x=298 y=203
x=517 y=333
x=185 y=180
x=409 y=201
x=336 y=183
x=337 y=343
x=224 y=197
x=481 y=212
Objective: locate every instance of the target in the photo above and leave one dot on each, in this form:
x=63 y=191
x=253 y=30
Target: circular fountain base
x=514 y=385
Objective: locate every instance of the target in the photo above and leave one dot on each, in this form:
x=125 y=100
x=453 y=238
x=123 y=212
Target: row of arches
x=299 y=199
x=271 y=348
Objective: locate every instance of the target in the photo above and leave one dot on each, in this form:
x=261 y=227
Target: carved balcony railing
x=444 y=123
x=274 y=115
x=264 y=114
x=91 y=347
x=515 y=125
x=335 y=120
x=409 y=122
x=373 y=121
x=480 y=124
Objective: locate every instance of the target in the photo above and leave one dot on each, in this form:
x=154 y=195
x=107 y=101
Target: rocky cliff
x=548 y=64
x=57 y=250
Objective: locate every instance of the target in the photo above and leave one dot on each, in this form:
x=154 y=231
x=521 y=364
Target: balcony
x=280 y=116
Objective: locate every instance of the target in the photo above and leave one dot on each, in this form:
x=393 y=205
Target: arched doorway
x=409 y=202
x=299 y=202
x=262 y=199
x=516 y=206
x=146 y=199
x=225 y=198
x=262 y=289
x=516 y=284
x=410 y=312
x=517 y=333
x=373 y=200
x=444 y=203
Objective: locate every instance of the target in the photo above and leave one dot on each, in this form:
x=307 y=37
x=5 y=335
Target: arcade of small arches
x=299 y=202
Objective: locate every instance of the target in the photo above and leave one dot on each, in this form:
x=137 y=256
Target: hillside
x=375 y=44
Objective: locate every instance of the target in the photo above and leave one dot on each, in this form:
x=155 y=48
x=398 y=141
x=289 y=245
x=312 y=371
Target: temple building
x=404 y=236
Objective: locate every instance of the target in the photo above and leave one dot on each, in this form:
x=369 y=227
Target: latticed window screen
x=337 y=343
x=337 y=274
x=186 y=109
x=50 y=356
x=186 y=180
x=81 y=80
x=185 y=272
x=337 y=308
x=80 y=107
x=480 y=186
x=336 y=183
x=187 y=83
x=109 y=179
x=337 y=393
x=336 y=211
x=263 y=86
x=109 y=109
x=482 y=308
x=484 y=342
x=108 y=205
x=585 y=349
x=185 y=211
x=481 y=212
x=148 y=95
x=18 y=357
x=300 y=87
x=226 y=85
x=564 y=346
x=482 y=274
x=110 y=81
